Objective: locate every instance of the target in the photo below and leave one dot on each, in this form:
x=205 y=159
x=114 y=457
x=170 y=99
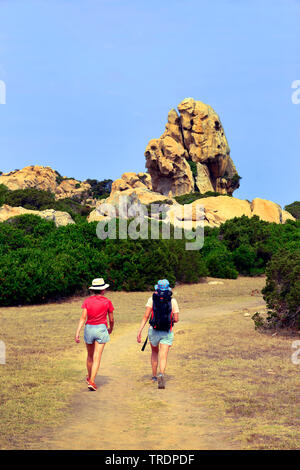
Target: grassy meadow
x=244 y=379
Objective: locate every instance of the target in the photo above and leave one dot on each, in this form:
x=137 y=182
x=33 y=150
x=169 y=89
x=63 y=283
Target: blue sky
x=90 y=82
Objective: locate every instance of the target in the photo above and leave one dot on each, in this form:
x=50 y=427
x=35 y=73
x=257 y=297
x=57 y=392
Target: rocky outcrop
x=166 y=160
x=195 y=139
x=60 y=218
x=219 y=209
x=267 y=210
x=46 y=179
x=216 y=210
x=131 y=196
x=132 y=180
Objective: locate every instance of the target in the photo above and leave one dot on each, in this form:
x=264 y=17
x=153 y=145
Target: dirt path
x=129 y=412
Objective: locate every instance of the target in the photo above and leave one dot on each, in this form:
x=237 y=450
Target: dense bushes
x=294 y=209
x=282 y=291
x=99 y=189
x=191 y=197
x=36 y=199
x=253 y=241
x=3 y=191
x=30 y=198
x=39 y=262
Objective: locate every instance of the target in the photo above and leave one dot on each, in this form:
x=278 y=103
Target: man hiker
x=163 y=312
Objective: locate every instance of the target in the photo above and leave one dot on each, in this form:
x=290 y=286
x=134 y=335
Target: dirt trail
x=129 y=412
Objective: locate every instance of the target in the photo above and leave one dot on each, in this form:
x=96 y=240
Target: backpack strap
x=145 y=343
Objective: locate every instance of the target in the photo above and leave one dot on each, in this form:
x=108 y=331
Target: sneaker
x=92 y=386
x=161 y=381
x=154 y=379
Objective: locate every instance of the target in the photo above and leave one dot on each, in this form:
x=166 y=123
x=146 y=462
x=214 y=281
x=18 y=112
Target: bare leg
x=90 y=355
x=154 y=359
x=163 y=356
x=96 y=360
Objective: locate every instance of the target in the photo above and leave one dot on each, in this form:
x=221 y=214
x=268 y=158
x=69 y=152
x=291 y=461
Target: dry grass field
x=228 y=386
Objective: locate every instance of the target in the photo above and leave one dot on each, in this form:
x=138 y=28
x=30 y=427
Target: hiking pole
x=144 y=345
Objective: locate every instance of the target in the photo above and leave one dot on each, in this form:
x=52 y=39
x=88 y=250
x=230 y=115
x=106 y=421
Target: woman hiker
x=96 y=331
x=164 y=313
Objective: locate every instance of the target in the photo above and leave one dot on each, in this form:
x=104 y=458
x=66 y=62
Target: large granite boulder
x=192 y=154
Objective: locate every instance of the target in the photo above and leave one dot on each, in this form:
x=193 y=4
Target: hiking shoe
x=154 y=379
x=161 y=381
x=92 y=386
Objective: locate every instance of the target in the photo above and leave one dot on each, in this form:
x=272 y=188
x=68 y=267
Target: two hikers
x=163 y=312
x=96 y=331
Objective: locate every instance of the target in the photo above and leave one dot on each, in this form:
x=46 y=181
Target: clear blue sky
x=90 y=82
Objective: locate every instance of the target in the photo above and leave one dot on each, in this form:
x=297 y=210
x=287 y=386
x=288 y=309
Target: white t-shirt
x=175 y=308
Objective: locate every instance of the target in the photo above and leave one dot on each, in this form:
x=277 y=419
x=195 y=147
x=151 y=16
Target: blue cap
x=163 y=285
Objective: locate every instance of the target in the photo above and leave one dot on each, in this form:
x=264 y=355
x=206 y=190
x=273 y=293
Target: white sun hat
x=99 y=284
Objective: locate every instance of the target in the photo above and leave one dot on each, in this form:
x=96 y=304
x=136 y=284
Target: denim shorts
x=163 y=337
x=97 y=333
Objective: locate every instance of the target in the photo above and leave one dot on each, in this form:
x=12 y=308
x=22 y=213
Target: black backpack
x=161 y=318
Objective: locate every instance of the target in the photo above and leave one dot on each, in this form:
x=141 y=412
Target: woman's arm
x=80 y=324
x=144 y=321
x=111 y=322
x=176 y=317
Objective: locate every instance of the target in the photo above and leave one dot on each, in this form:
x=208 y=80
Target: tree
x=294 y=209
x=282 y=291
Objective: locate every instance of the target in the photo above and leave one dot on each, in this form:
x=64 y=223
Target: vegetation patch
x=39 y=262
x=191 y=197
x=294 y=209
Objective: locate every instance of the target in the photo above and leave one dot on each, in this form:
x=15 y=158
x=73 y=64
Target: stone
x=202 y=180
x=131 y=180
x=266 y=210
x=170 y=172
x=59 y=218
x=117 y=199
x=45 y=179
x=195 y=135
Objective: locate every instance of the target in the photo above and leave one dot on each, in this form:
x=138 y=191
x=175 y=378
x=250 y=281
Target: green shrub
x=36 y=199
x=191 y=197
x=3 y=192
x=99 y=189
x=233 y=180
x=218 y=259
x=30 y=198
x=294 y=209
x=244 y=258
x=30 y=224
x=282 y=291
x=42 y=262
x=39 y=262
x=59 y=179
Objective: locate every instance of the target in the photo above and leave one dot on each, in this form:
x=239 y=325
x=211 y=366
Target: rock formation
x=46 y=179
x=138 y=196
x=132 y=180
x=192 y=154
x=60 y=218
x=216 y=209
